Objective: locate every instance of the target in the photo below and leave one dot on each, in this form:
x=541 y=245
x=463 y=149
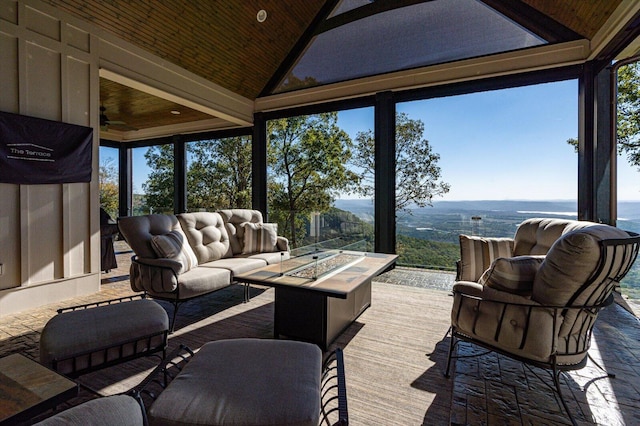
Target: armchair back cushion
x=207 y=235
x=536 y=236
x=477 y=253
x=140 y=230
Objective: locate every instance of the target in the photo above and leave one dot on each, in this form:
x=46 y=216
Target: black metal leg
x=556 y=381
x=172 y=325
x=451 y=345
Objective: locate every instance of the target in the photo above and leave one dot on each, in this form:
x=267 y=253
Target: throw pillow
x=477 y=253
x=512 y=274
x=259 y=237
x=174 y=245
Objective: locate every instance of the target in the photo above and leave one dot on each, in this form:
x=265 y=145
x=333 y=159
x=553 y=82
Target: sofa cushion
x=233 y=218
x=477 y=253
x=174 y=245
x=207 y=235
x=570 y=263
x=199 y=281
x=138 y=231
x=259 y=237
x=236 y=265
x=512 y=274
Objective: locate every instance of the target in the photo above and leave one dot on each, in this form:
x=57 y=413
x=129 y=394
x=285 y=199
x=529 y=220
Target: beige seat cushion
x=244 y=382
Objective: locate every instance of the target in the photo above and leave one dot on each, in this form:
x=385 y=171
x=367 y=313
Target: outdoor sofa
x=179 y=257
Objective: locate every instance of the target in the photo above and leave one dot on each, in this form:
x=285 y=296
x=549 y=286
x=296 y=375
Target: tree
x=628 y=116
x=218 y=175
x=628 y=120
x=108 y=181
x=308 y=157
x=417 y=172
x=158 y=188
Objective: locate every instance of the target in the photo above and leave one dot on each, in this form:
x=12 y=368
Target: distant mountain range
x=627 y=210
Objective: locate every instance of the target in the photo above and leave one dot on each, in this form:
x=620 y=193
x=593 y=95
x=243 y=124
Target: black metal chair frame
x=603 y=297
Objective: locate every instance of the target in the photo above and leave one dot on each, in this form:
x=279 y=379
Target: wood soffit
x=223 y=42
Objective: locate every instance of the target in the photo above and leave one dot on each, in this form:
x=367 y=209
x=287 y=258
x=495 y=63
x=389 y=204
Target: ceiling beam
x=299 y=47
x=533 y=20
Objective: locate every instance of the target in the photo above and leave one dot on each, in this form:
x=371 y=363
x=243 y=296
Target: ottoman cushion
x=121 y=410
x=244 y=382
x=73 y=333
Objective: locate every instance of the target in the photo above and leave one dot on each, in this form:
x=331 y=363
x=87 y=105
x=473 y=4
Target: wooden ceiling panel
x=140 y=110
x=585 y=17
x=221 y=41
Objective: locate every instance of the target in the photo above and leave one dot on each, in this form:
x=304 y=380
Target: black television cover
x=38 y=151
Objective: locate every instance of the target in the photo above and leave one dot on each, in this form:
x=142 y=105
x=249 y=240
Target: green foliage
x=629 y=112
x=158 y=188
x=426 y=253
x=218 y=175
x=307 y=157
x=417 y=182
x=108 y=182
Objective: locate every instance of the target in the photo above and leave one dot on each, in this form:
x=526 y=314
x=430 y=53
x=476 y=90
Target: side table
x=27 y=388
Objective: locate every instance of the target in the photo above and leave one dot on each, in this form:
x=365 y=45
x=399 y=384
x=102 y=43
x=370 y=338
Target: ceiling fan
x=105 y=123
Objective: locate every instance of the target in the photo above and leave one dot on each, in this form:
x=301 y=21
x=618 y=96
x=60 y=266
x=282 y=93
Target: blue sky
x=500 y=145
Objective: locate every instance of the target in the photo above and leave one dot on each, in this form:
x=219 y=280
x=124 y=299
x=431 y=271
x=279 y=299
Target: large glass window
x=314 y=184
x=153 y=176
x=487 y=161
x=628 y=186
x=109 y=180
x=219 y=174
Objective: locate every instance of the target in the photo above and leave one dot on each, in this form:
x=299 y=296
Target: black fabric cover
x=38 y=151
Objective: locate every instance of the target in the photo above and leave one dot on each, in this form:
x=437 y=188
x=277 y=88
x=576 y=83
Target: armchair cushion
x=174 y=245
x=260 y=237
x=477 y=253
x=512 y=274
x=570 y=263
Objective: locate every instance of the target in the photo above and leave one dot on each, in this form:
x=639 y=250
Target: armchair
x=541 y=310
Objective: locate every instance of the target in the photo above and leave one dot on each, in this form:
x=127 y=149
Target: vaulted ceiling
x=223 y=42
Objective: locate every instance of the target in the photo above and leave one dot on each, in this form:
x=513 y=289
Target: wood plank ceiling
x=223 y=42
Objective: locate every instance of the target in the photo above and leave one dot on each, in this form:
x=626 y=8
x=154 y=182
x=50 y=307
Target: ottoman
x=76 y=342
x=244 y=382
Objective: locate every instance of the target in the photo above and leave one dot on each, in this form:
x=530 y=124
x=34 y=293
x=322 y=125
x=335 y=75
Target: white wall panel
x=43 y=83
x=9 y=235
x=41 y=215
x=9 y=99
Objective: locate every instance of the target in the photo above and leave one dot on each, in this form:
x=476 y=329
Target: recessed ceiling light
x=175 y=112
x=262 y=15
